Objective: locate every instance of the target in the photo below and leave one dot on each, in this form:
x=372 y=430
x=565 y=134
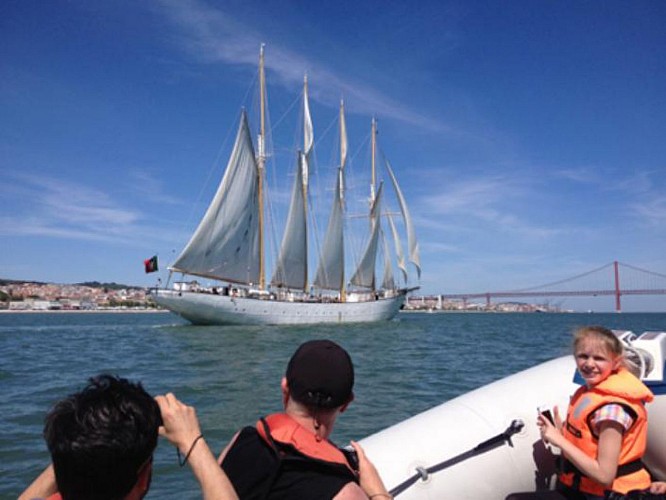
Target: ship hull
x=211 y=309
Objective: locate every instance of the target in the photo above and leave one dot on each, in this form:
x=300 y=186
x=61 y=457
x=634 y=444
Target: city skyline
x=527 y=137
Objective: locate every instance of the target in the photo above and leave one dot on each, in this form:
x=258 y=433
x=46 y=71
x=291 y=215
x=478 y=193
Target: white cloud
x=150 y=187
x=47 y=207
x=606 y=179
x=210 y=35
x=635 y=193
x=33 y=226
x=437 y=247
x=580 y=175
x=637 y=183
x=493 y=201
x=485 y=198
x=652 y=211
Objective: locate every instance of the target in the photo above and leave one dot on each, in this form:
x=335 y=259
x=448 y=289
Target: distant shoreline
x=84 y=311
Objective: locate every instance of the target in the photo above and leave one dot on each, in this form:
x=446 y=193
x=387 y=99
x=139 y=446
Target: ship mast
x=261 y=162
x=305 y=165
x=343 y=159
x=373 y=179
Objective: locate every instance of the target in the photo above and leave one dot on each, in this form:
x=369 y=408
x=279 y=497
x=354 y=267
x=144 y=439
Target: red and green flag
x=151 y=264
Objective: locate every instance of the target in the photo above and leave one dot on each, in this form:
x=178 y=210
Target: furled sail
x=412 y=244
x=365 y=273
x=308 y=134
x=291 y=268
x=225 y=245
x=343 y=136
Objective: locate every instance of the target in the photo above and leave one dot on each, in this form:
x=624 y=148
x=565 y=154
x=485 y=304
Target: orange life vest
x=621 y=388
x=283 y=429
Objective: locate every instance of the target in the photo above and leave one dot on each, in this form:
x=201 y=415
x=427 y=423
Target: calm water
x=232 y=374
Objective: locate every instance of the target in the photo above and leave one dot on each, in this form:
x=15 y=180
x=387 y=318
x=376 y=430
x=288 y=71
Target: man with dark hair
x=102 y=439
x=288 y=455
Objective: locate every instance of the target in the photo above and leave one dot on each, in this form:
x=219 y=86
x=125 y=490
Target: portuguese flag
x=151 y=264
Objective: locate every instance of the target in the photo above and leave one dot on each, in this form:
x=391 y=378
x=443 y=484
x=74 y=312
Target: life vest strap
x=622 y=470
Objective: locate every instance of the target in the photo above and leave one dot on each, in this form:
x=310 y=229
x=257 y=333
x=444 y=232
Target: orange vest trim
x=55 y=496
x=622 y=388
x=285 y=430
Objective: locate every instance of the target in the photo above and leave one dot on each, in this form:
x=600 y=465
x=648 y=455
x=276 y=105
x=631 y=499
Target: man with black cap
x=288 y=455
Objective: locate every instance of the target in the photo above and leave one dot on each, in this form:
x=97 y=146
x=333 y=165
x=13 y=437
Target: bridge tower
x=618 y=306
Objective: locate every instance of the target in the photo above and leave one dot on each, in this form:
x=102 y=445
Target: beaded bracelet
x=183 y=462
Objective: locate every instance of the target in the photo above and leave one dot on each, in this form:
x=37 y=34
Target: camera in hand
x=547 y=414
x=351 y=456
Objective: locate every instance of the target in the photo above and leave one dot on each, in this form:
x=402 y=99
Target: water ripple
x=232 y=374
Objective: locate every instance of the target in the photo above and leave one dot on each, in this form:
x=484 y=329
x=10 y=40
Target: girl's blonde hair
x=606 y=336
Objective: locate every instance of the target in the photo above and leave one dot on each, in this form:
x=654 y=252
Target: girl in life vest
x=605 y=432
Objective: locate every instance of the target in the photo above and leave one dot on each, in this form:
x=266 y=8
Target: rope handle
x=423 y=473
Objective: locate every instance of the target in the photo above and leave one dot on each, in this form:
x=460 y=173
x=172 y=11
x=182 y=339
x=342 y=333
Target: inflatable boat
x=485 y=444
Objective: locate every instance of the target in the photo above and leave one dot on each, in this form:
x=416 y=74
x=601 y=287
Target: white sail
x=412 y=244
x=365 y=273
x=291 y=269
x=388 y=283
x=400 y=257
x=331 y=270
x=225 y=245
x=330 y=273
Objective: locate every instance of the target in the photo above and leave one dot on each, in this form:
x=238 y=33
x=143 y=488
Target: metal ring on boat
x=423 y=472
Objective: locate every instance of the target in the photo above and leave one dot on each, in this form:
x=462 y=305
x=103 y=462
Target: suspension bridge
x=615 y=280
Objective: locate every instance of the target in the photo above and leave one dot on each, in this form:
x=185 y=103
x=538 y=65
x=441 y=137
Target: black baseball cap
x=320 y=374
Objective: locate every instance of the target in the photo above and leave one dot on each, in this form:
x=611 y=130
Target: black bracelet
x=183 y=462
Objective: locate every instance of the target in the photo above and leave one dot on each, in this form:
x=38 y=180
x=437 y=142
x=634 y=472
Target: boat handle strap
x=423 y=473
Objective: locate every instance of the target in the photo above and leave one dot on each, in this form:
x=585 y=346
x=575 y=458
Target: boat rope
x=423 y=473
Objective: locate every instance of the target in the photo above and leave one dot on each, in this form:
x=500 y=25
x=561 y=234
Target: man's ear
x=142 y=484
x=285 y=391
x=344 y=406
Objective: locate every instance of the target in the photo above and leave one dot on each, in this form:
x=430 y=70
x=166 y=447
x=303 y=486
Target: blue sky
x=528 y=136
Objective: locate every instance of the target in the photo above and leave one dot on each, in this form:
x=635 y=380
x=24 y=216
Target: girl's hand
x=558 y=420
x=658 y=487
x=550 y=433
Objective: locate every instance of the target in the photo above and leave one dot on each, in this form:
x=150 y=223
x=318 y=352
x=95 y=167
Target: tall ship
x=228 y=248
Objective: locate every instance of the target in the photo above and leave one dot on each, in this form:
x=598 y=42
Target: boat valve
x=423 y=472
x=515 y=427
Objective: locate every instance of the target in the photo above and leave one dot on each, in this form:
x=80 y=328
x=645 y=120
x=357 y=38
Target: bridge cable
x=653 y=273
x=565 y=280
